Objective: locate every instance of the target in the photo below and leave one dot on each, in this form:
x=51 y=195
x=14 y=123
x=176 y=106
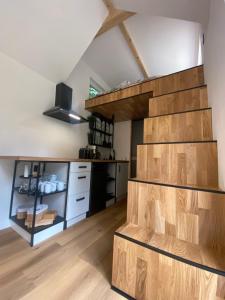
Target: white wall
x=79 y=80
x=111 y=57
x=122 y=140
x=24 y=95
x=215 y=76
x=49 y=36
x=165 y=45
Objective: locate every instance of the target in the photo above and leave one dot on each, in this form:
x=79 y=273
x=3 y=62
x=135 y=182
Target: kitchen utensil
x=23 y=188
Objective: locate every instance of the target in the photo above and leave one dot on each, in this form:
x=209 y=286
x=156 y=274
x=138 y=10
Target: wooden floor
x=75 y=264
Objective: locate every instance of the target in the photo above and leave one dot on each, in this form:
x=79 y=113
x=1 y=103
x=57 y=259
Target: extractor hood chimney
x=63 y=103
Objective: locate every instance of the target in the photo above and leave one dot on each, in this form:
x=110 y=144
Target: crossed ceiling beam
x=116 y=17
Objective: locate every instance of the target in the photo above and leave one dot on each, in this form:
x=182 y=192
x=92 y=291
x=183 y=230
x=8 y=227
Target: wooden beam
x=114 y=18
x=109 y=5
x=133 y=49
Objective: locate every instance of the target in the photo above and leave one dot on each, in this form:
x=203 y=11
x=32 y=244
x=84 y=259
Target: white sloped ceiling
x=165 y=45
x=111 y=58
x=49 y=36
x=190 y=10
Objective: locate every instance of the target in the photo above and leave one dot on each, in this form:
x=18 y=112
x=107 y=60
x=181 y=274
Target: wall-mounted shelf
x=101 y=131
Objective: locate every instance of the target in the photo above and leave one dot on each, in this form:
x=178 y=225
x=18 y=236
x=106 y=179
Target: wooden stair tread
x=179 y=127
x=180 y=112
x=203 y=257
x=180 y=91
x=181 y=163
x=209 y=189
x=179 y=142
x=178 y=101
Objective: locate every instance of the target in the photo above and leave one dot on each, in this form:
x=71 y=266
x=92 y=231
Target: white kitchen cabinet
x=77 y=205
x=121 y=180
x=80 y=167
x=78 y=192
x=79 y=183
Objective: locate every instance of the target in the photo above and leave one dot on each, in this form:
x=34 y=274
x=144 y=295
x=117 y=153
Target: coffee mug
x=52 y=177
x=53 y=187
x=60 y=186
x=41 y=186
x=48 y=187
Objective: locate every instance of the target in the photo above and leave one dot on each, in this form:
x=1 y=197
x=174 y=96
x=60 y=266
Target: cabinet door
x=121 y=180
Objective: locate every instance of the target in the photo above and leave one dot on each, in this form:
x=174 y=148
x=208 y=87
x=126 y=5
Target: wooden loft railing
x=131 y=103
x=172 y=245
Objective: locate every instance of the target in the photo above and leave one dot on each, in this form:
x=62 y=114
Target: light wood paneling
x=186 y=79
x=132 y=108
x=182 y=164
x=115 y=18
x=172 y=245
x=210 y=258
x=125 y=93
x=189 y=126
x=147 y=275
x=196 y=98
x=189 y=215
x=59 y=159
x=76 y=264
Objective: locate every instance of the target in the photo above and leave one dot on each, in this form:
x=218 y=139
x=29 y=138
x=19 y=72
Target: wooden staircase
x=173 y=243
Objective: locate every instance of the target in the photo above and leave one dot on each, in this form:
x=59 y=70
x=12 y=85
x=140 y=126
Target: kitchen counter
x=60 y=159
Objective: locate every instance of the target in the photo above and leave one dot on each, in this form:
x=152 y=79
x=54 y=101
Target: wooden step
x=205 y=257
x=186 y=100
x=187 y=126
x=187 y=215
x=145 y=272
x=183 y=80
x=186 y=163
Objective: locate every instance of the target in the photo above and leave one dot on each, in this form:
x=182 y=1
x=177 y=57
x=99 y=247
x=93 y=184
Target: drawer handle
x=82 y=177
x=82 y=167
x=80 y=199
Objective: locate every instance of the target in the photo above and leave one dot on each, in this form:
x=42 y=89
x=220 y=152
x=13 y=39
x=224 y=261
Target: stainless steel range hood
x=63 y=103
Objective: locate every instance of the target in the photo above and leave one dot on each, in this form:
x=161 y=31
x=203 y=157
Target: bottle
x=26 y=171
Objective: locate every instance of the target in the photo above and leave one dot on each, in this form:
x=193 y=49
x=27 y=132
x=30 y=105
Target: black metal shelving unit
x=36 y=196
x=105 y=135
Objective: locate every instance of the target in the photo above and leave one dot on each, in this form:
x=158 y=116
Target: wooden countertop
x=60 y=159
